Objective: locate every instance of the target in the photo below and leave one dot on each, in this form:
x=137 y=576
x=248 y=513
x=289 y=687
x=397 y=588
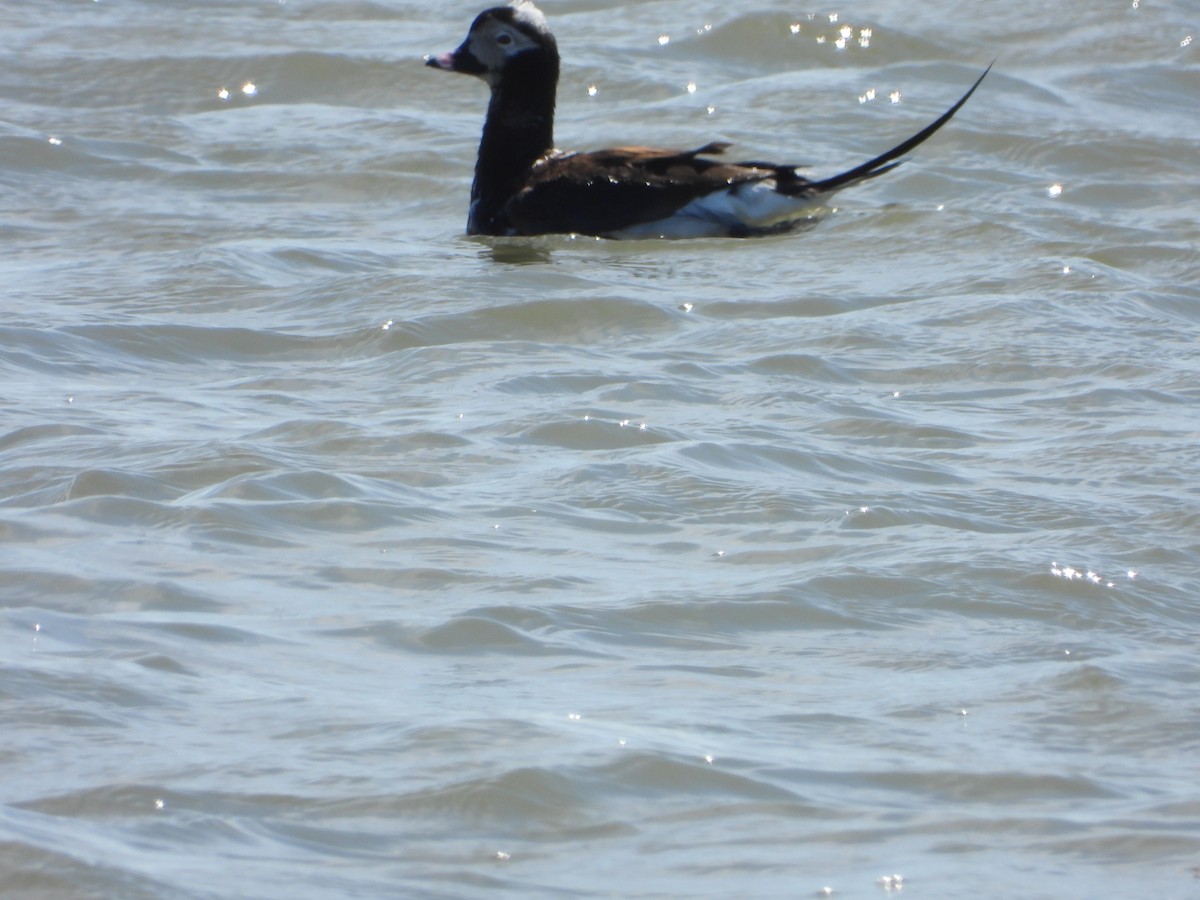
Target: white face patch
x=524 y=11
x=493 y=43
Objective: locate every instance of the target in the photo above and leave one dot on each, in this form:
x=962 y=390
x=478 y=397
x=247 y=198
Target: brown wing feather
x=607 y=190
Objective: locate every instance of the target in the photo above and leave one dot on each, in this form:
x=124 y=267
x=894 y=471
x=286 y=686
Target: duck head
x=502 y=41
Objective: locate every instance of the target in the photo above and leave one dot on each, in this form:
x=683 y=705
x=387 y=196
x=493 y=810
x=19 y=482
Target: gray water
x=342 y=555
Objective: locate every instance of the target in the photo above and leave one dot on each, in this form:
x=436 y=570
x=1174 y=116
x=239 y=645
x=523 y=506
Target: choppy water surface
x=343 y=555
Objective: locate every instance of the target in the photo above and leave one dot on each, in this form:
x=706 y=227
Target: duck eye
x=504 y=40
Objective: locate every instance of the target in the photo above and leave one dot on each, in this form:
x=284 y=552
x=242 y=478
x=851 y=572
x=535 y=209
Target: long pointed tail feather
x=889 y=160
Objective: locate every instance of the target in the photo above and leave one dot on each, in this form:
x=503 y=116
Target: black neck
x=519 y=130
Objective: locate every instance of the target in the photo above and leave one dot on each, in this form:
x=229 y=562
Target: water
x=343 y=555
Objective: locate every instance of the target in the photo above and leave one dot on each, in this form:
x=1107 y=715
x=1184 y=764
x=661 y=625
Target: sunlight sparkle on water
x=1055 y=190
x=890 y=882
x=1070 y=573
x=663 y=40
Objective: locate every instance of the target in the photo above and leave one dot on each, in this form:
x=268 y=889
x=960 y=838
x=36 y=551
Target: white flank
x=751 y=205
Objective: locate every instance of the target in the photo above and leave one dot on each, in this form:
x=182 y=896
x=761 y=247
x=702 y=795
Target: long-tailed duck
x=523 y=186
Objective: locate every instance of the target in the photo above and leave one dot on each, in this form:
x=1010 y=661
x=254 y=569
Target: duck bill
x=460 y=60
